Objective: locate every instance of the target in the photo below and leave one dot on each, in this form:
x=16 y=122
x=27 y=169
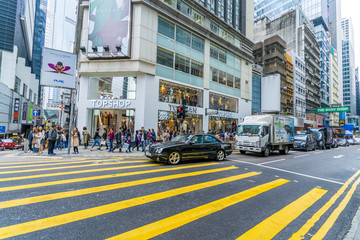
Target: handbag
x=103 y=142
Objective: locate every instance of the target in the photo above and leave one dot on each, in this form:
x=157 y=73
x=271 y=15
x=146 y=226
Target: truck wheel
x=242 y=151
x=266 y=152
x=285 y=151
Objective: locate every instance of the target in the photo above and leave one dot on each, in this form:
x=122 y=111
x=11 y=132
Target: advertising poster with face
x=109 y=25
x=58 y=69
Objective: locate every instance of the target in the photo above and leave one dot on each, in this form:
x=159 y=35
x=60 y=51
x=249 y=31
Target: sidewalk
x=354 y=231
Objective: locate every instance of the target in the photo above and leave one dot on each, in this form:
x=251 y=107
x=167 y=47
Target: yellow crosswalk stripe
x=311 y=222
x=44 y=184
x=32 y=226
x=178 y=220
x=271 y=226
x=79 y=192
x=79 y=160
x=336 y=213
x=56 y=164
x=76 y=166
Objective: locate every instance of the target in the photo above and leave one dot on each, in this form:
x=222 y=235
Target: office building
x=273 y=9
x=256 y=88
x=334 y=87
x=168 y=53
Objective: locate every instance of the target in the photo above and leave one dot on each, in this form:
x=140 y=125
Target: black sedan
x=185 y=147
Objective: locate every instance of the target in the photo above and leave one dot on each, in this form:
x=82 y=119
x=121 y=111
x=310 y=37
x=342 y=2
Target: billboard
x=270 y=93
x=16 y=110
x=109 y=25
x=58 y=69
x=284 y=129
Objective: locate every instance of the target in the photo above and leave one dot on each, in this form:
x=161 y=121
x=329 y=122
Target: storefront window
x=168 y=120
x=112 y=88
x=220 y=124
x=173 y=93
x=114 y=119
x=223 y=103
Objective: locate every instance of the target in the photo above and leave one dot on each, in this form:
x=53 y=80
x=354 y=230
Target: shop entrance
x=115 y=119
x=191 y=124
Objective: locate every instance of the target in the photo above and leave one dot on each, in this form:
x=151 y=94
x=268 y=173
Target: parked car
x=185 y=147
x=343 y=142
x=305 y=142
x=323 y=137
x=350 y=141
x=335 y=143
x=2 y=145
x=9 y=144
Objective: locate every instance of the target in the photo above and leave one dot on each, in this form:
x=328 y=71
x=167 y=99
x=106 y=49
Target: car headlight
x=159 y=150
x=257 y=144
x=302 y=144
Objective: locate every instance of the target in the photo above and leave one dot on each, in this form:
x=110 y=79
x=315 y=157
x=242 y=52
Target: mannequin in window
x=178 y=96
x=212 y=101
x=171 y=94
x=106 y=119
x=162 y=90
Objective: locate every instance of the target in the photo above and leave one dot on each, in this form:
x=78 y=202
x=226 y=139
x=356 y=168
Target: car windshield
x=300 y=137
x=342 y=140
x=248 y=130
x=182 y=138
x=7 y=140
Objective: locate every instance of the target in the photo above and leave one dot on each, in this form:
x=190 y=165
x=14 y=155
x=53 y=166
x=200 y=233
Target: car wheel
x=266 y=152
x=12 y=148
x=242 y=151
x=307 y=149
x=220 y=155
x=285 y=151
x=314 y=148
x=174 y=158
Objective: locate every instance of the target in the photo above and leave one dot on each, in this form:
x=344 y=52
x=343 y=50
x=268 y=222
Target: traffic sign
x=2 y=129
x=333 y=109
x=35 y=113
x=62 y=107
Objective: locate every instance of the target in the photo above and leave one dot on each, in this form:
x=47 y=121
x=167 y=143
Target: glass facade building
x=273 y=8
x=7 y=23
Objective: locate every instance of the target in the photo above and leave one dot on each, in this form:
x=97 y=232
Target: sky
x=350 y=8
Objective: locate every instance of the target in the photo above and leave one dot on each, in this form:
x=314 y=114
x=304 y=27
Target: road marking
x=340 y=156
x=287 y=171
x=335 y=214
x=40 y=224
x=272 y=161
x=76 y=166
x=302 y=156
x=44 y=184
x=311 y=222
x=271 y=226
x=167 y=224
x=79 y=192
x=317 y=152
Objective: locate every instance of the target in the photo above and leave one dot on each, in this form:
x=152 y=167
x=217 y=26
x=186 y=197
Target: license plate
x=147 y=153
x=245 y=148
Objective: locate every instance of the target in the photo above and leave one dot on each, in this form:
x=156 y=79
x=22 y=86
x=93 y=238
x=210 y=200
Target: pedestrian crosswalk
x=70 y=179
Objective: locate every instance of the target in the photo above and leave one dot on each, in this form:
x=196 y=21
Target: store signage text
x=333 y=109
x=219 y=113
x=173 y=108
x=16 y=110
x=111 y=103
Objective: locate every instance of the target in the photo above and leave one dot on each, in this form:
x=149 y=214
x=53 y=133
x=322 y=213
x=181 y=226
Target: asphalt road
x=96 y=195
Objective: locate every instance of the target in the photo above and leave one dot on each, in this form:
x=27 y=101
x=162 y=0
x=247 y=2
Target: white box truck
x=265 y=133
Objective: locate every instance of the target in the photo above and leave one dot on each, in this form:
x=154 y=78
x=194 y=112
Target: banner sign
x=16 y=110
x=58 y=69
x=24 y=112
x=333 y=109
x=30 y=117
x=109 y=25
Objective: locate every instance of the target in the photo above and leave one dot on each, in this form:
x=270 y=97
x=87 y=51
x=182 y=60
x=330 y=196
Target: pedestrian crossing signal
x=179 y=113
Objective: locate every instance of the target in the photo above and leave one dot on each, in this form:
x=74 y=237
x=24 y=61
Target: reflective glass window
x=165 y=57
x=182 y=63
x=112 y=87
x=183 y=36
x=166 y=28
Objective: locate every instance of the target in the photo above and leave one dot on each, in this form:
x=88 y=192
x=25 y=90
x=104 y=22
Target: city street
x=100 y=195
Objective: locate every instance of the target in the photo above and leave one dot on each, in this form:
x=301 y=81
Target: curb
x=354 y=231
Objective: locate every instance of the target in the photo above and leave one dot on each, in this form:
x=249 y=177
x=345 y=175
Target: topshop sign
x=111 y=103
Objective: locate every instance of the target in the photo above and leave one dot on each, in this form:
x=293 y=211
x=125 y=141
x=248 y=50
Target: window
x=237 y=83
x=223 y=103
x=35 y=98
x=210 y=139
x=170 y=2
x=25 y=88
x=184 y=8
x=30 y=95
x=197 y=43
x=222 y=56
x=230 y=80
x=214 y=75
x=231 y=38
x=222 y=77
x=197 y=68
x=183 y=36
x=198 y=139
x=182 y=63
x=166 y=28
x=223 y=33
x=198 y=17
x=237 y=43
x=165 y=57
x=214 y=28
x=112 y=87
x=172 y=93
x=17 y=84
x=214 y=53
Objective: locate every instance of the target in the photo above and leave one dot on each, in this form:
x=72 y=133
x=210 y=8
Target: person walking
x=117 y=137
x=137 y=140
x=60 y=139
x=76 y=140
x=30 y=139
x=104 y=137
x=153 y=135
x=96 y=140
x=85 y=137
x=143 y=138
x=37 y=140
x=42 y=140
x=128 y=140
x=111 y=136
x=166 y=136
x=52 y=139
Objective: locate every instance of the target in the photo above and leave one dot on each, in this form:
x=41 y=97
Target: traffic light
x=184 y=111
x=179 y=112
x=67 y=108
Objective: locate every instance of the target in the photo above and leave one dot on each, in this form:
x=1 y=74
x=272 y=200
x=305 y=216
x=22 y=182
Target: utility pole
x=71 y=119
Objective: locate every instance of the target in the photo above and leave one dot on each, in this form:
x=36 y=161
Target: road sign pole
x=70 y=123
